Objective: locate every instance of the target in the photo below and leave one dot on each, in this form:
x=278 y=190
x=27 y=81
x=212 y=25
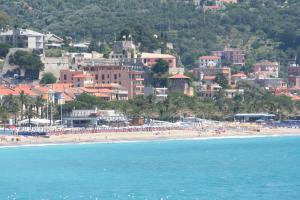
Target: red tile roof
x=209 y=57
x=7 y=91
x=179 y=76
x=27 y=89
x=59 y=87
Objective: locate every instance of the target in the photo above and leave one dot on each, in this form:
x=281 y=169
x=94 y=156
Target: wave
x=153 y=140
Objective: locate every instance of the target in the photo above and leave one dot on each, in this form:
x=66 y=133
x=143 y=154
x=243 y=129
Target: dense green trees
x=266 y=29
x=4 y=19
x=160 y=74
x=176 y=105
x=48 y=78
x=222 y=80
x=27 y=61
x=4 y=49
x=21 y=106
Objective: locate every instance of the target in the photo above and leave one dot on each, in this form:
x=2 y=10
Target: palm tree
x=23 y=98
x=39 y=103
x=12 y=105
x=3 y=116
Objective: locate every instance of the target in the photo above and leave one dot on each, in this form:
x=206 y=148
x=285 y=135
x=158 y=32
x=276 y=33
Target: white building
x=23 y=38
x=53 y=41
x=209 y=61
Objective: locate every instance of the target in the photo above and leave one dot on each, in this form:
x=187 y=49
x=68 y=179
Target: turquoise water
x=254 y=168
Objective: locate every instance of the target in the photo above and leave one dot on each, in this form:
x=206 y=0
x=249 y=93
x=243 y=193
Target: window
x=96 y=77
x=65 y=76
x=120 y=75
x=120 y=83
x=107 y=75
x=115 y=76
x=103 y=77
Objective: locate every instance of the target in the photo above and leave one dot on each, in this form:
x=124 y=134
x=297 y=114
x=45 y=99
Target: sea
x=266 y=168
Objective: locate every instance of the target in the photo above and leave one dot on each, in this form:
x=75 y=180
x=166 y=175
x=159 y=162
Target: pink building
x=76 y=78
x=235 y=56
x=125 y=76
x=130 y=79
x=128 y=76
x=266 y=69
x=150 y=59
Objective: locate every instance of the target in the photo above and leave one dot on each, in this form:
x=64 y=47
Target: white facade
x=23 y=38
x=209 y=61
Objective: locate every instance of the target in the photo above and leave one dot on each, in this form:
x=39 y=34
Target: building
x=105 y=71
x=109 y=91
x=53 y=41
x=177 y=70
x=123 y=50
x=234 y=56
x=231 y=93
x=159 y=94
x=76 y=78
x=212 y=90
x=270 y=83
x=253 y=117
x=209 y=61
x=293 y=71
x=180 y=83
x=126 y=76
x=55 y=64
x=235 y=78
x=209 y=90
x=201 y=73
x=23 y=38
x=94 y=118
x=228 y=1
x=150 y=59
x=266 y=69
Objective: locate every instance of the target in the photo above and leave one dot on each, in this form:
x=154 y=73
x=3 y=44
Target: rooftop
x=179 y=76
x=156 y=55
x=22 y=32
x=209 y=57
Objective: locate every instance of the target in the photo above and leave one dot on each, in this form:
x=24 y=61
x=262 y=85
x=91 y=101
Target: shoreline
x=133 y=137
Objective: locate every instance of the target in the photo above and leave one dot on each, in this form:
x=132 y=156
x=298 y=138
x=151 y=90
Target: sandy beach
x=111 y=137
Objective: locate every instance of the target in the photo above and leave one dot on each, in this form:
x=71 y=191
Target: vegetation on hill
x=4 y=19
x=159 y=74
x=27 y=61
x=266 y=29
x=4 y=49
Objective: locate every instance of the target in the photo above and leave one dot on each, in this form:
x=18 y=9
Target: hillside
x=267 y=29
